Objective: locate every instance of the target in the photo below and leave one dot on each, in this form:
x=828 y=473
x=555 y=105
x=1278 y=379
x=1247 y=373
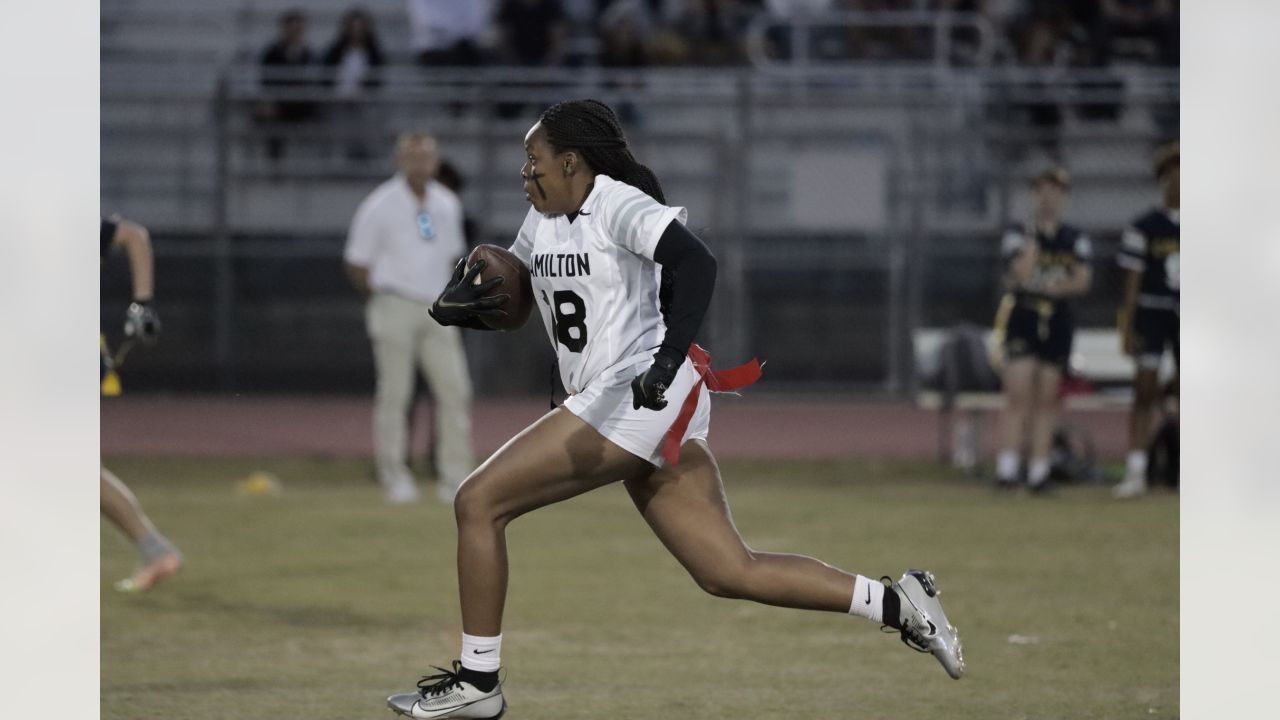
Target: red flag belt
x=727 y=380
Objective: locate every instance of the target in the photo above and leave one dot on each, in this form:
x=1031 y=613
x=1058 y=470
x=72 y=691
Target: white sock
x=1038 y=472
x=868 y=599
x=1137 y=463
x=481 y=654
x=1007 y=465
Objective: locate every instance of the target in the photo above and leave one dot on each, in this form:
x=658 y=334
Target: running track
x=741 y=428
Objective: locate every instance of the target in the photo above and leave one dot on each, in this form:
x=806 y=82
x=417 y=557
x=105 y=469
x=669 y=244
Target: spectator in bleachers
x=1140 y=30
x=710 y=31
x=965 y=43
x=532 y=32
x=1040 y=34
x=625 y=29
x=449 y=32
x=1040 y=40
x=284 y=67
x=352 y=62
x=778 y=39
x=905 y=42
x=354 y=56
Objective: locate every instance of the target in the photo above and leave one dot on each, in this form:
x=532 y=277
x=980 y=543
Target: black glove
x=463 y=302
x=141 y=322
x=649 y=389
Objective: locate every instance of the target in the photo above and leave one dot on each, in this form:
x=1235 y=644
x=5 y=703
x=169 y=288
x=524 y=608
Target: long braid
x=591 y=127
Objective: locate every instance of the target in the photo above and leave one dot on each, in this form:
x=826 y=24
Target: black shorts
x=1153 y=331
x=1040 y=330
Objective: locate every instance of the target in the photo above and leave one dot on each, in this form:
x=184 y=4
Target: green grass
x=319 y=603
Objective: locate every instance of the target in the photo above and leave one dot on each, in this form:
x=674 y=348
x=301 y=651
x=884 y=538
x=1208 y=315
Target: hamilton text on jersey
x=560 y=265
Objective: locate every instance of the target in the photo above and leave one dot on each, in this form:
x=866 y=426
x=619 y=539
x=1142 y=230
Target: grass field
x=321 y=602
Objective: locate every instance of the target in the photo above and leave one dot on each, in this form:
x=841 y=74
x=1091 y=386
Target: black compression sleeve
x=106 y=236
x=693 y=272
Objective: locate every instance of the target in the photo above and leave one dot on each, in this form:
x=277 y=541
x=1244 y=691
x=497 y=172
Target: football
x=500 y=262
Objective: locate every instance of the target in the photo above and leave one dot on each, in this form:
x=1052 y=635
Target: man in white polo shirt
x=404 y=241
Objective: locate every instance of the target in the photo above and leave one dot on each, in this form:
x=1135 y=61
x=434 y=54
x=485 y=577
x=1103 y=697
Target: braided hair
x=591 y=128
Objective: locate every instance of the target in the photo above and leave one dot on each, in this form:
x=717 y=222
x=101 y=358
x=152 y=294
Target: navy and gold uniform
x=1034 y=325
x=1150 y=246
x=107 y=377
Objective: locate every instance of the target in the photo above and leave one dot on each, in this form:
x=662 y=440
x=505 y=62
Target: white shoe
x=1131 y=487
x=924 y=624
x=402 y=493
x=446 y=696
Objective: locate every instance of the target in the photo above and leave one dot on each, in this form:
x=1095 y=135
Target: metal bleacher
x=883 y=185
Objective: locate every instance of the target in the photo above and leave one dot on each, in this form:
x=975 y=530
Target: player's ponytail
x=592 y=128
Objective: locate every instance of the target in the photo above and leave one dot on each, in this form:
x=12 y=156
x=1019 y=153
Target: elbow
x=133 y=236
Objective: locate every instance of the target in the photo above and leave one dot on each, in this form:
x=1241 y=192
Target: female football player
x=159 y=558
x=1149 y=312
x=622 y=286
x=1047 y=264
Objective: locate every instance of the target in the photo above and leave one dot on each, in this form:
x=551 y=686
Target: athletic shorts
x=1040 y=331
x=606 y=405
x=1154 y=330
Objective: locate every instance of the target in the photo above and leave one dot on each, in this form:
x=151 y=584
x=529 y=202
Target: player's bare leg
x=1146 y=387
x=556 y=458
x=160 y=559
x=1019 y=380
x=1044 y=420
x=687 y=509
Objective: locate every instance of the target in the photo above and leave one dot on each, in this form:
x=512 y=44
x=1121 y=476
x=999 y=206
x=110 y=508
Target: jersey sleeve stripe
x=622 y=225
x=647 y=216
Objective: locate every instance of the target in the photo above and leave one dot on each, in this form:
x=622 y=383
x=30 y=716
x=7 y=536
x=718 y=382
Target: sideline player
x=597 y=240
x=1149 y=315
x=1047 y=264
x=159 y=558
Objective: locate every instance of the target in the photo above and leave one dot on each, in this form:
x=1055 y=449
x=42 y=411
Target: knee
x=730 y=581
x=476 y=505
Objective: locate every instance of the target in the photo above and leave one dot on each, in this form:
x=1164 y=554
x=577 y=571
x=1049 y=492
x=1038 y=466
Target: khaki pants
x=401 y=332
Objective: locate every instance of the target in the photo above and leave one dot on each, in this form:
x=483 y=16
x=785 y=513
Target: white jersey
x=595 y=280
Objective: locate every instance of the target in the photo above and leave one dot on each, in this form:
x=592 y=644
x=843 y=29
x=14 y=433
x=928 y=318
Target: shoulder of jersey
x=608 y=188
